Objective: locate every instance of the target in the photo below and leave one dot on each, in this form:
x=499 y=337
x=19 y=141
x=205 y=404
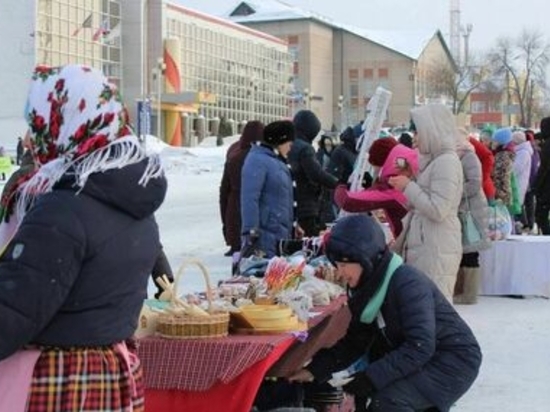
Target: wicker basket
x=193 y=327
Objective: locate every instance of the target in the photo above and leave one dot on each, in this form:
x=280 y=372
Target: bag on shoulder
x=471 y=235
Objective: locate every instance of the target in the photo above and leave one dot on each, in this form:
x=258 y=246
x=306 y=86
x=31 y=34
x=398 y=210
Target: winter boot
x=472 y=278
x=459 y=284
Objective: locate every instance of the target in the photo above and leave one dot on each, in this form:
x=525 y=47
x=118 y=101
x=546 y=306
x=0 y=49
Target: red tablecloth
x=203 y=375
x=236 y=395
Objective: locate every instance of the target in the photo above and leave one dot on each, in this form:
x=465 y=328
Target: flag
x=86 y=24
x=113 y=34
x=102 y=30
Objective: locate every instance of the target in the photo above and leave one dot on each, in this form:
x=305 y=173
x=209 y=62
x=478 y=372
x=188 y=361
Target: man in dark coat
x=421 y=354
x=542 y=182
x=230 y=187
x=308 y=173
x=343 y=157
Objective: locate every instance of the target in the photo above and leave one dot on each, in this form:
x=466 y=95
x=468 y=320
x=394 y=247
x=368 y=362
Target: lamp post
x=143 y=66
x=158 y=72
x=306 y=98
x=341 y=110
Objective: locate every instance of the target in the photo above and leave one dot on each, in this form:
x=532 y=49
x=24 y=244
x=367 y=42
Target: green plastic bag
x=515 y=207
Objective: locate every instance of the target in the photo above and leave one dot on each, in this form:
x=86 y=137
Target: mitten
x=361 y=386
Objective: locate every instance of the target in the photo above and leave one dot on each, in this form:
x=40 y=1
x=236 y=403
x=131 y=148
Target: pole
x=159 y=103
x=143 y=67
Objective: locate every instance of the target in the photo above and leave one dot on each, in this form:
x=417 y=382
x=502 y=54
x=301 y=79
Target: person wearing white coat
x=522 y=162
x=431 y=239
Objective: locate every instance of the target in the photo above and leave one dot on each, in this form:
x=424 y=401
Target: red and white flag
x=86 y=24
x=101 y=31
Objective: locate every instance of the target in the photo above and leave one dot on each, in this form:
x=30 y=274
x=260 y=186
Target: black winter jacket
x=309 y=176
x=427 y=342
x=76 y=272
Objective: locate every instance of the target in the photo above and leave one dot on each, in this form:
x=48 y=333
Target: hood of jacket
x=120 y=189
x=348 y=139
x=482 y=151
x=389 y=168
x=307 y=125
x=253 y=132
x=524 y=147
x=436 y=131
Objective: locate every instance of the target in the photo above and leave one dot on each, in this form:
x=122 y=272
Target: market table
x=201 y=375
x=519 y=265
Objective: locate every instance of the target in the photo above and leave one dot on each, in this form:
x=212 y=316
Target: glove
x=250 y=244
x=361 y=386
x=367 y=180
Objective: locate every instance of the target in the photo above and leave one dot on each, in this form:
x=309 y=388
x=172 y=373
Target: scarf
x=366 y=299
x=77 y=122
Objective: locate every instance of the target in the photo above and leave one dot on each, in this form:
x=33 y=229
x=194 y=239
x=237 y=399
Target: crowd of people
x=79 y=241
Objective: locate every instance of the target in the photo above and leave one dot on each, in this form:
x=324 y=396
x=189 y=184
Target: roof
x=410 y=43
x=223 y=21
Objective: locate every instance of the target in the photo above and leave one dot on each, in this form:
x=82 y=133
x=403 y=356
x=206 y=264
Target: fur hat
x=380 y=149
x=307 y=124
x=503 y=136
x=545 y=128
x=278 y=132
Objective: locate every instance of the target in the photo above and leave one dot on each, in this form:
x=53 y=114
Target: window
x=478 y=107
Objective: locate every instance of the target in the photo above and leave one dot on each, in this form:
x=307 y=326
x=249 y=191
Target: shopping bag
x=471 y=236
x=500 y=221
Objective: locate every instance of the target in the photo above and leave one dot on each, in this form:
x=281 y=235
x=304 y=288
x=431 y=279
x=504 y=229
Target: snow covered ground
x=514 y=333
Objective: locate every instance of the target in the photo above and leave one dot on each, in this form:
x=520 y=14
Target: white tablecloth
x=519 y=265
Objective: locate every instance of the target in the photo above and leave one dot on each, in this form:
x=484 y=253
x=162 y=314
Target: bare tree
x=523 y=62
x=458 y=85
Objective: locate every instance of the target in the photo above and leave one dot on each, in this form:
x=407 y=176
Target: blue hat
x=503 y=136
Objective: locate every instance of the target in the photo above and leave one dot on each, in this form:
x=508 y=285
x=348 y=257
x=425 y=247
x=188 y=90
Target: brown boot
x=459 y=284
x=472 y=279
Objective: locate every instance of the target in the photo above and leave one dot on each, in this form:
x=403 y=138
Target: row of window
x=249 y=79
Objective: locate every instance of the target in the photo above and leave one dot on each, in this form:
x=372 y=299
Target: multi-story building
x=194 y=68
x=337 y=68
x=486 y=108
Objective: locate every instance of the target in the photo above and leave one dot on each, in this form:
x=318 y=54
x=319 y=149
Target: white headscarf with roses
x=78 y=122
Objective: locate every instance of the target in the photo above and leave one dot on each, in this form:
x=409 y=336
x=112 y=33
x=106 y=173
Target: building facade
x=337 y=68
x=192 y=69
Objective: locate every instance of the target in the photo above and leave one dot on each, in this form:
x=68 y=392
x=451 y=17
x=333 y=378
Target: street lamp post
x=158 y=72
x=341 y=110
x=306 y=98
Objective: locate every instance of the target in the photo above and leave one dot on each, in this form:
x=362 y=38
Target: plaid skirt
x=86 y=380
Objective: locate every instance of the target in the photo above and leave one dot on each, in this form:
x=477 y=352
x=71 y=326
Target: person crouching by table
x=421 y=354
x=74 y=276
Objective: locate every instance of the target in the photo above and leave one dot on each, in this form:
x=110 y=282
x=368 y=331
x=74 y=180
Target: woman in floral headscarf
x=74 y=275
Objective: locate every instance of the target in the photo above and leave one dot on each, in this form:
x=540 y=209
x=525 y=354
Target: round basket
x=193 y=327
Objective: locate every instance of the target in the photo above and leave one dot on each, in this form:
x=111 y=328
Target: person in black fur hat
x=421 y=354
x=267 y=193
x=308 y=173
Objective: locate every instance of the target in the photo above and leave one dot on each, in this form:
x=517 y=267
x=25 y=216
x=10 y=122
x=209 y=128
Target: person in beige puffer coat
x=431 y=239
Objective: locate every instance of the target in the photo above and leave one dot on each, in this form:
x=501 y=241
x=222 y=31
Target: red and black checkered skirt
x=85 y=380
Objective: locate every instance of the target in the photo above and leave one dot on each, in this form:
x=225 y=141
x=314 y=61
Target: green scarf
x=373 y=307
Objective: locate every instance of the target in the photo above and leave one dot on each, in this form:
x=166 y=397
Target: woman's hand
x=302 y=376
x=399 y=182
